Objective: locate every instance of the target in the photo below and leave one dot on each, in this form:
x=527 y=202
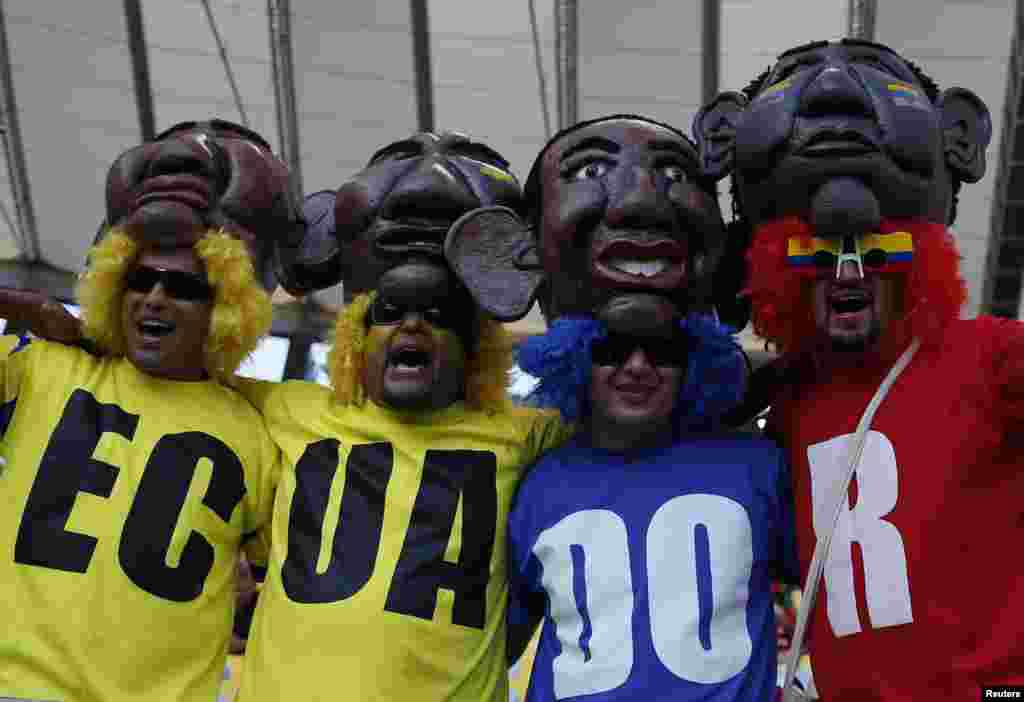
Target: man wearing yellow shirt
x=386 y=577
x=134 y=475
x=386 y=563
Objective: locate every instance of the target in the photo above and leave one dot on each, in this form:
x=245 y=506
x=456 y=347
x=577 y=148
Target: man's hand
x=54 y=323
x=246 y=592
x=41 y=315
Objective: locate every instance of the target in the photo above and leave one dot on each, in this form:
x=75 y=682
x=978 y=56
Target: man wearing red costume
x=846 y=162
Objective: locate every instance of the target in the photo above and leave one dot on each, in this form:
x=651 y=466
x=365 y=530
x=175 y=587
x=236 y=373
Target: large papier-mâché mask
x=842 y=135
x=853 y=112
x=400 y=205
x=617 y=206
x=198 y=176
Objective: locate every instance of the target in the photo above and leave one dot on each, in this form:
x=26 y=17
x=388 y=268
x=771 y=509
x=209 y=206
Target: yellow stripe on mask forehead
x=497 y=173
x=776 y=87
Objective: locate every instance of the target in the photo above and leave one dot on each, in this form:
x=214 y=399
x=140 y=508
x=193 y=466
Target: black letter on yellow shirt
x=157 y=507
x=356 y=539
x=66 y=469
x=421 y=568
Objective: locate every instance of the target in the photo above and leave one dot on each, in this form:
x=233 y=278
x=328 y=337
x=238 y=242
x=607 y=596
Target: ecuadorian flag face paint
x=879 y=253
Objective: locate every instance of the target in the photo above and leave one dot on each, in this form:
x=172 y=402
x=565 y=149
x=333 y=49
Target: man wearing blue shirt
x=649 y=542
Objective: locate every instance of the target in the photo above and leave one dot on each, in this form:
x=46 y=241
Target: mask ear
x=494 y=254
x=966 y=132
x=309 y=258
x=714 y=129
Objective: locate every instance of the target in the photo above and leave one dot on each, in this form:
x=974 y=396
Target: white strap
x=790 y=694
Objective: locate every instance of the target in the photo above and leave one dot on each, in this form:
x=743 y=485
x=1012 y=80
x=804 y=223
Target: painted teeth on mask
x=647 y=267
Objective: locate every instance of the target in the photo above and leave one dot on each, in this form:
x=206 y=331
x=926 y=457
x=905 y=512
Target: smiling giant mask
x=617 y=208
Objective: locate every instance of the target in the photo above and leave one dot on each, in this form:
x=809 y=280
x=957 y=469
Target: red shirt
x=923 y=594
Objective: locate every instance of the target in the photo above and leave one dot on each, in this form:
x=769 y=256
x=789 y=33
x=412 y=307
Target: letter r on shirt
x=886 y=585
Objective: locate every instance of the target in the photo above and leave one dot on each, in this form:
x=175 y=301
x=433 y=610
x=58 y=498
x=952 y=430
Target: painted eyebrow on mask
x=594 y=142
x=670 y=145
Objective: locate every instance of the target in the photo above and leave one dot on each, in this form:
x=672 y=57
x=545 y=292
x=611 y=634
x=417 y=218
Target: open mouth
x=189 y=190
x=829 y=142
x=657 y=263
x=154 y=328
x=849 y=302
x=409 y=359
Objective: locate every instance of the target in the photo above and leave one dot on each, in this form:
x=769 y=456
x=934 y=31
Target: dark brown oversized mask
x=201 y=175
x=843 y=135
x=615 y=206
x=401 y=205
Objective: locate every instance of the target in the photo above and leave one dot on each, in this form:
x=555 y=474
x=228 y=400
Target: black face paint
x=429 y=289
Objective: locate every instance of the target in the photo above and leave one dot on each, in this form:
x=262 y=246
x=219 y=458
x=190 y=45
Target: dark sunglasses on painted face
x=384 y=313
x=180 y=285
x=615 y=350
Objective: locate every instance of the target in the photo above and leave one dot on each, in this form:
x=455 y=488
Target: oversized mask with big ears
x=198 y=176
x=616 y=206
x=399 y=207
x=843 y=135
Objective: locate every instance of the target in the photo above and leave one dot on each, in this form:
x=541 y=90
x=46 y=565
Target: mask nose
x=641 y=205
x=433 y=190
x=835 y=91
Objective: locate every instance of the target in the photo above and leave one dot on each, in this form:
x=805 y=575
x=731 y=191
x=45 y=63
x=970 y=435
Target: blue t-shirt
x=656 y=568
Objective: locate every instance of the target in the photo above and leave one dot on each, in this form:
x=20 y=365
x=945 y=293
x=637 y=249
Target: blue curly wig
x=560 y=359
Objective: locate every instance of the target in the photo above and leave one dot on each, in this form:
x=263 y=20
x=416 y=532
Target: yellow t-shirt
x=126 y=498
x=387 y=569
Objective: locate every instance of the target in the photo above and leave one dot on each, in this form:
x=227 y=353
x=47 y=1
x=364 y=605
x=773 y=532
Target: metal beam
x=1004 y=260
x=15 y=148
x=860 y=21
x=140 y=68
x=559 y=78
x=226 y=62
x=538 y=61
x=711 y=49
x=567 y=28
x=421 y=65
x=279 y=15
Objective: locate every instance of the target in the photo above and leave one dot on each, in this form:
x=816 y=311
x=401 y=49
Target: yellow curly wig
x=487 y=366
x=241 y=312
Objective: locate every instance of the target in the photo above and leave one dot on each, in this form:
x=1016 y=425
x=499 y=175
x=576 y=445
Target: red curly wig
x=781 y=301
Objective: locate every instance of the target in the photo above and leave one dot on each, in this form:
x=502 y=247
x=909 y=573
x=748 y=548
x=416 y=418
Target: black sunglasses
x=615 y=349
x=384 y=313
x=180 y=285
